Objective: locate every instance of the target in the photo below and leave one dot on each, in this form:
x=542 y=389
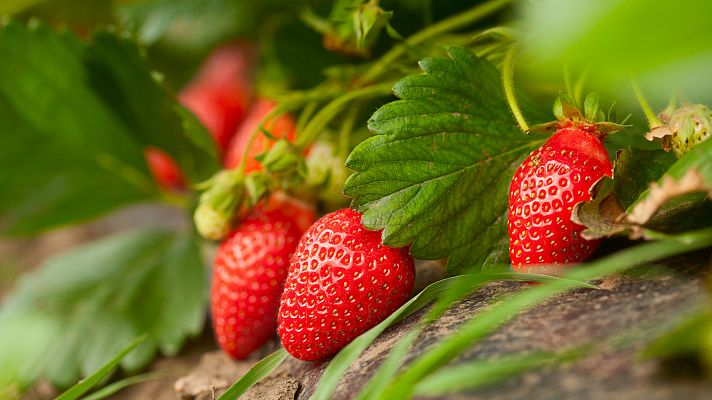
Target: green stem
x=455 y=22
x=323 y=117
x=579 y=85
x=508 y=83
x=653 y=120
x=273 y=113
x=346 y=128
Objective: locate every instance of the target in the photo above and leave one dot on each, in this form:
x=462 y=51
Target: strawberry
x=221 y=92
x=248 y=276
x=342 y=281
x=283 y=127
x=164 y=169
x=543 y=193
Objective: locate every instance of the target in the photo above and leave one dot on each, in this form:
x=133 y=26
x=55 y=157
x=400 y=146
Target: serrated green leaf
x=76 y=117
x=437 y=172
x=100 y=296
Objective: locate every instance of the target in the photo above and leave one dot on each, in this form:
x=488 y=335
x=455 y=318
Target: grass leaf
x=255 y=374
x=86 y=384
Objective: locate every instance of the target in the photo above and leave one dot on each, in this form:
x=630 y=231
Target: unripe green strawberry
x=342 y=281
x=543 y=193
x=688 y=125
x=220 y=205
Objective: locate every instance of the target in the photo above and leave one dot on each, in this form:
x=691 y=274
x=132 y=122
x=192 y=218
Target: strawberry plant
x=183 y=152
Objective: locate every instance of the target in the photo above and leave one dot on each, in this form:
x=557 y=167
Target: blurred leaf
x=689 y=337
x=85 y=385
x=188 y=23
x=8 y=7
x=115 y=387
x=95 y=299
x=76 y=118
x=437 y=172
x=665 y=44
x=255 y=374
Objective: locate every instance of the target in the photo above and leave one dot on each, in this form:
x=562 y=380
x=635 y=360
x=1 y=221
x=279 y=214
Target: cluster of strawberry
x=222 y=97
x=318 y=284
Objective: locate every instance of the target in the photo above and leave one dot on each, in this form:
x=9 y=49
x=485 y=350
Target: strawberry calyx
x=568 y=115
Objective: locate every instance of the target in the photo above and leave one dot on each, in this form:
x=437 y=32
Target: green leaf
x=699 y=159
x=389 y=367
x=437 y=172
x=689 y=337
x=85 y=385
x=664 y=45
x=75 y=133
x=117 y=386
x=480 y=373
x=255 y=374
x=94 y=299
x=498 y=314
x=635 y=169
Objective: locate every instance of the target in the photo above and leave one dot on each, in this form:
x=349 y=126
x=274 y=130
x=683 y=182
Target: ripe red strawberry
x=222 y=90
x=282 y=127
x=249 y=270
x=342 y=281
x=543 y=193
x=164 y=169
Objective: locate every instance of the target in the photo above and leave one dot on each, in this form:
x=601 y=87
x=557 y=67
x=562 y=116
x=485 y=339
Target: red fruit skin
x=164 y=169
x=221 y=92
x=342 y=281
x=302 y=213
x=249 y=270
x=283 y=127
x=545 y=188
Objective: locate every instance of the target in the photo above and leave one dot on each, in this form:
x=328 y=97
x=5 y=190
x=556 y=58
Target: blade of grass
x=480 y=373
x=85 y=385
x=341 y=362
x=255 y=374
x=389 y=367
x=124 y=383
x=502 y=312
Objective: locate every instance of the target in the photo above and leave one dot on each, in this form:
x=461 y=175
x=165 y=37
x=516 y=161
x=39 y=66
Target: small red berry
x=164 y=169
x=221 y=92
x=342 y=281
x=249 y=270
x=283 y=127
x=543 y=193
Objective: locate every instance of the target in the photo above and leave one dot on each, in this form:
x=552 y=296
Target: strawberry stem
x=450 y=24
x=273 y=113
x=329 y=111
x=653 y=120
x=508 y=83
